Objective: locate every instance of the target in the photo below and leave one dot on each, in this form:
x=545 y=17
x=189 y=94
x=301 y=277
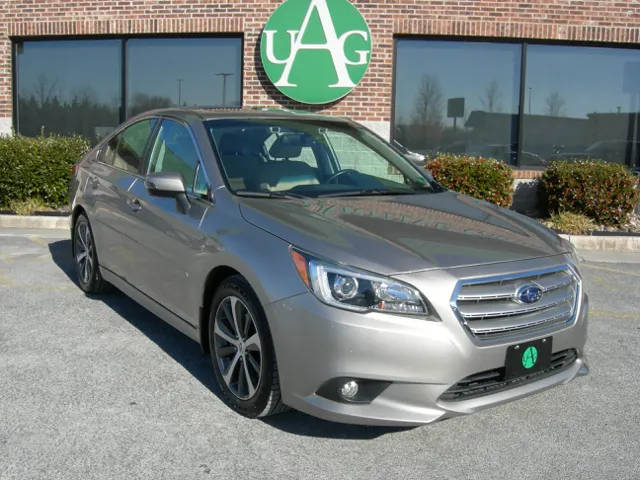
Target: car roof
x=202 y=114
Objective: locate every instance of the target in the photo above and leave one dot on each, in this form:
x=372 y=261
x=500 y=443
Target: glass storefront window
x=69 y=86
x=169 y=72
x=578 y=102
x=581 y=102
x=75 y=86
x=457 y=97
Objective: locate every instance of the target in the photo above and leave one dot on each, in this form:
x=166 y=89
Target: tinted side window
x=201 y=187
x=109 y=151
x=174 y=151
x=126 y=150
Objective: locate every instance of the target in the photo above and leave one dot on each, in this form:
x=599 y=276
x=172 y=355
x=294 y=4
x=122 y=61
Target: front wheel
x=242 y=351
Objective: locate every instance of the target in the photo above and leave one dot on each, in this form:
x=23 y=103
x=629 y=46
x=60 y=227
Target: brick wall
x=585 y=20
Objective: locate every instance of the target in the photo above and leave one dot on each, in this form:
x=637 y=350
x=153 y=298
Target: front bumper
x=421 y=359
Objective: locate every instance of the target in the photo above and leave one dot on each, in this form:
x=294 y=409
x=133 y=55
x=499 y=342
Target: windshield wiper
x=368 y=191
x=286 y=195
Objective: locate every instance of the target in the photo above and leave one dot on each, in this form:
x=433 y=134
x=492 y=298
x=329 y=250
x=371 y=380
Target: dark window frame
x=16 y=41
x=524 y=43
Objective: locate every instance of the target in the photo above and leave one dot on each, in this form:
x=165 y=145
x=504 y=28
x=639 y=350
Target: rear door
x=120 y=164
x=169 y=239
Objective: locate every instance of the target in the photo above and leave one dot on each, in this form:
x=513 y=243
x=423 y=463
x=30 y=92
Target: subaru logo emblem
x=530 y=293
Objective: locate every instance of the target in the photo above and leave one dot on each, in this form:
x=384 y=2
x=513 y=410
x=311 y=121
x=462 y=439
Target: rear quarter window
x=126 y=150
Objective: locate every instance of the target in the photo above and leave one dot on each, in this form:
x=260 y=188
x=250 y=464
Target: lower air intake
x=492 y=381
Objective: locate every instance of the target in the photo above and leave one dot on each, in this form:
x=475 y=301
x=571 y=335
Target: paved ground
x=100 y=388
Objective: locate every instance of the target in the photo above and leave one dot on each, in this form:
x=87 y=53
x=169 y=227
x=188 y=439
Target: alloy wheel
x=238 y=348
x=84 y=252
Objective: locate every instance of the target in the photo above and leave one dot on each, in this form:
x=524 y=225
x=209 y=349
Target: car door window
x=109 y=154
x=174 y=151
x=126 y=150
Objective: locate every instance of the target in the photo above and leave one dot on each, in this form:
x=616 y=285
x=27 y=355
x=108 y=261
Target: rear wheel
x=242 y=351
x=85 y=257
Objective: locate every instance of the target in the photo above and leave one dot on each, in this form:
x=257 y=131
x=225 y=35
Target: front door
x=168 y=236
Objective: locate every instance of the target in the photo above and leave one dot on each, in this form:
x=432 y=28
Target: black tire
x=86 y=266
x=266 y=399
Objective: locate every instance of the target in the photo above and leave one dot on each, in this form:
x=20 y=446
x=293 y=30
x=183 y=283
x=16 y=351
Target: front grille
x=488 y=307
x=492 y=381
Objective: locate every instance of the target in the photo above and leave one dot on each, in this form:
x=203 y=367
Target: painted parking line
x=600 y=313
x=39 y=240
x=609 y=269
x=35 y=235
x=4 y=280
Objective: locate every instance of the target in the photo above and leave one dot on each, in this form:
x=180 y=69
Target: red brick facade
x=569 y=20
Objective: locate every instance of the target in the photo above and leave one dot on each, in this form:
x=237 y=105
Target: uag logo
x=315 y=51
x=530 y=357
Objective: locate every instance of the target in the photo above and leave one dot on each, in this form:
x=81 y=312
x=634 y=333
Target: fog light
x=352 y=390
x=349 y=390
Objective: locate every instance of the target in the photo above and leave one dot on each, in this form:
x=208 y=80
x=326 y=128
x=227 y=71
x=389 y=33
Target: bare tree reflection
x=491 y=99
x=555 y=104
x=45 y=89
x=44 y=109
x=429 y=102
x=141 y=102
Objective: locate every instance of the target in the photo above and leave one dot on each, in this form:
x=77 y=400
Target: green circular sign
x=530 y=357
x=315 y=51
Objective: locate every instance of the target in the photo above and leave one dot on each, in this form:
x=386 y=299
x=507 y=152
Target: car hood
x=404 y=233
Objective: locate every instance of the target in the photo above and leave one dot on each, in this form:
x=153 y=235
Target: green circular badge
x=315 y=51
x=530 y=357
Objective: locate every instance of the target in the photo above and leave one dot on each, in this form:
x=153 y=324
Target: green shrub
x=28 y=206
x=602 y=191
x=571 y=223
x=483 y=178
x=38 y=167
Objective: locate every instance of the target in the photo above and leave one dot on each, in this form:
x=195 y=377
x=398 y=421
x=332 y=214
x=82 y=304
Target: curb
x=583 y=242
x=604 y=243
x=33 y=221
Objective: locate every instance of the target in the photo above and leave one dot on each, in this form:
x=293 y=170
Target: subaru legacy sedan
x=324 y=271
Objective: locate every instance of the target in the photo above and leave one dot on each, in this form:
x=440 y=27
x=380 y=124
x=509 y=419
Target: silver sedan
x=324 y=271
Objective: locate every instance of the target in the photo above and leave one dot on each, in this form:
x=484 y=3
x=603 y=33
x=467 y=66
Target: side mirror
x=169 y=184
x=165 y=183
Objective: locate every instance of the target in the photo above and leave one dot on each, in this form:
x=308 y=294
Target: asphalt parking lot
x=101 y=388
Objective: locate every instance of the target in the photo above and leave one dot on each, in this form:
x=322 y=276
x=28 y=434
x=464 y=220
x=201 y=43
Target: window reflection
x=67 y=87
x=74 y=86
x=457 y=97
x=174 y=151
x=582 y=102
x=169 y=72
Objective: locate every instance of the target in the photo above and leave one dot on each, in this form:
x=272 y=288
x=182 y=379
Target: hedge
x=38 y=167
x=483 y=178
x=605 y=192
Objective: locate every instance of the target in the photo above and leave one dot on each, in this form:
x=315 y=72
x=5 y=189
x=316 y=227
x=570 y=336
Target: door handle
x=134 y=204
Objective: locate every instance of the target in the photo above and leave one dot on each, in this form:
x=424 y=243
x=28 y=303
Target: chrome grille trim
x=504 y=309
x=483 y=291
x=487 y=308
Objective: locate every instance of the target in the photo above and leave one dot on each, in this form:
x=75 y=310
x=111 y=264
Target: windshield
x=276 y=158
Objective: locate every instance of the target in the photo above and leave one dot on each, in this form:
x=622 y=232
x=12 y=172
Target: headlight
x=357 y=290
